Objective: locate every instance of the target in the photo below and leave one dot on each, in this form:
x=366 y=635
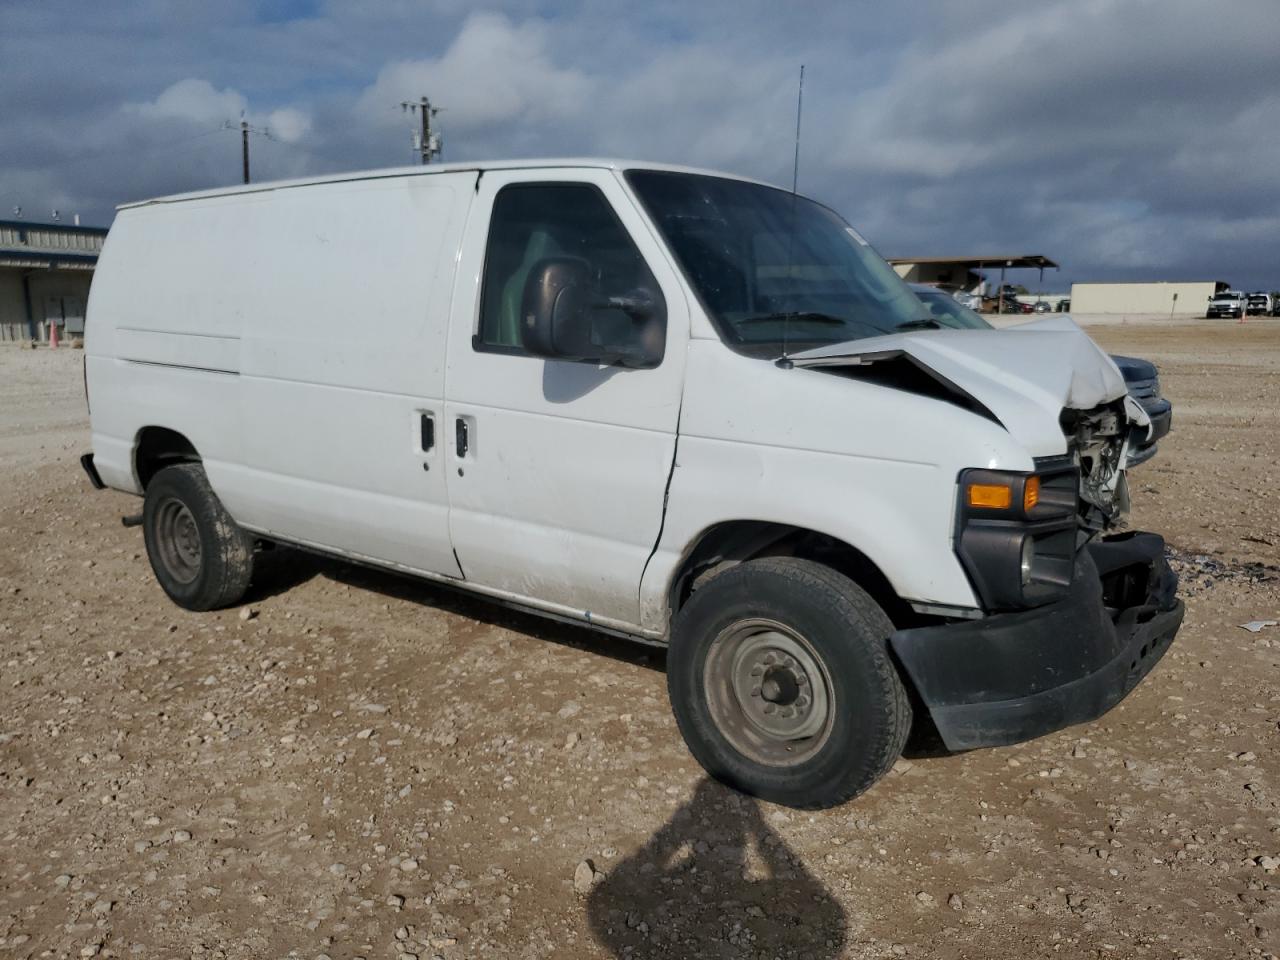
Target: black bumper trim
x=86 y=461
x=1011 y=677
x=1161 y=414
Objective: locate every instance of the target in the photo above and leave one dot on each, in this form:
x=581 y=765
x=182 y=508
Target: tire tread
x=227 y=566
x=843 y=600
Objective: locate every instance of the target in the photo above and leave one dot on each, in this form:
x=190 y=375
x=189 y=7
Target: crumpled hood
x=1024 y=374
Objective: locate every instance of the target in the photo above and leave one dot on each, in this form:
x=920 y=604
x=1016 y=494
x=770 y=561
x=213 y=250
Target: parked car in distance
x=480 y=375
x=1003 y=300
x=1228 y=303
x=971 y=300
x=1042 y=306
x=1140 y=376
x=1260 y=304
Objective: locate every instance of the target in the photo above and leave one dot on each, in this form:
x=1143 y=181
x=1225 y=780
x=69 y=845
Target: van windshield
x=776 y=272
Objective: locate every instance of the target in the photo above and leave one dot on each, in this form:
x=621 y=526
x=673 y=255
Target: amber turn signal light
x=993 y=496
x=1030 y=494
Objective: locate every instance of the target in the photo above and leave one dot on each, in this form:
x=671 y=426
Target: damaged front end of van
x=1073 y=614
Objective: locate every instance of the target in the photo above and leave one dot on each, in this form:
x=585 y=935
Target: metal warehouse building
x=1187 y=298
x=45 y=270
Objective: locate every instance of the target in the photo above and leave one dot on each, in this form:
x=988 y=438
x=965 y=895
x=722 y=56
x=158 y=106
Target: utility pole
x=244 y=147
x=426 y=144
x=246 y=129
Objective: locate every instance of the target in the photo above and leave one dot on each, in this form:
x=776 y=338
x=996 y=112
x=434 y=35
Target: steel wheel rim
x=769 y=692
x=178 y=540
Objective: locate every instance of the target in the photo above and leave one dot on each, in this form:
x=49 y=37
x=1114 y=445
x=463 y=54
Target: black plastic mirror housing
x=560 y=314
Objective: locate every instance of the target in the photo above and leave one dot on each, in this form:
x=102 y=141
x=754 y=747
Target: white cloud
x=493 y=72
x=700 y=104
x=195 y=100
x=288 y=125
x=199 y=102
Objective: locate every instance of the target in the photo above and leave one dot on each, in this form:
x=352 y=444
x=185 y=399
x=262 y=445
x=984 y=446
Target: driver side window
x=532 y=222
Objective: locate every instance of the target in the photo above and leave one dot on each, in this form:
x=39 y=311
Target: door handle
x=461 y=436
x=427 y=428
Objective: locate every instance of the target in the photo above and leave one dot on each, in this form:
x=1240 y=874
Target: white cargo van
x=684 y=407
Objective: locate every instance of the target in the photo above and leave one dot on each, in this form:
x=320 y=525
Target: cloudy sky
x=1127 y=139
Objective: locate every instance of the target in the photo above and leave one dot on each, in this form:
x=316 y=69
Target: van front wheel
x=781 y=683
x=202 y=560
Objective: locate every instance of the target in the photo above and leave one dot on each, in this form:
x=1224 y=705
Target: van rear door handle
x=460 y=436
x=428 y=431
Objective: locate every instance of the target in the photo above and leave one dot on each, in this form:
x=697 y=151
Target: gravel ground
x=360 y=765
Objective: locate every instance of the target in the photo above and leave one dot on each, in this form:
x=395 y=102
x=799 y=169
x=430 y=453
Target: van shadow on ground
x=282 y=568
x=715 y=881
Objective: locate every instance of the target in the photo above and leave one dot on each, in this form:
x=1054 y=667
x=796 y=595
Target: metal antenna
x=795 y=162
x=785 y=361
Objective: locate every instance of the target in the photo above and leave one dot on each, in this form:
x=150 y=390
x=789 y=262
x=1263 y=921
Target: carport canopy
x=966 y=272
x=1010 y=262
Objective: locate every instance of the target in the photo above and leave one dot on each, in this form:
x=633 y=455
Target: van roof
x=435 y=169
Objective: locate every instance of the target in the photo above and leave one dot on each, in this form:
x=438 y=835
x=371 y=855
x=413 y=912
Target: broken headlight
x=1016 y=534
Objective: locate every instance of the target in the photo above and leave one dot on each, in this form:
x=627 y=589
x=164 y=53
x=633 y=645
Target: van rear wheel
x=781 y=683
x=201 y=558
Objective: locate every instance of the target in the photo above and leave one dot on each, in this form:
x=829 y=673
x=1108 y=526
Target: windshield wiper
x=925 y=324
x=801 y=315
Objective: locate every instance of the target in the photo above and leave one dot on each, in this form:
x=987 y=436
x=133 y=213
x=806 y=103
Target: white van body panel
x=301 y=385
x=872 y=467
x=560 y=495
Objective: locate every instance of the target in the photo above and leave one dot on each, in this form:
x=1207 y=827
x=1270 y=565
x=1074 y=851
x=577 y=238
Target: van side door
x=558 y=470
x=342 y=369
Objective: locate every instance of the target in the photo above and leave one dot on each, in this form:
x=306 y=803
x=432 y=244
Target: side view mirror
x=563 y=317
x=555 y=307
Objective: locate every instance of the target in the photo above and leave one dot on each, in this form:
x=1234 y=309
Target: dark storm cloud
x=1125 y=139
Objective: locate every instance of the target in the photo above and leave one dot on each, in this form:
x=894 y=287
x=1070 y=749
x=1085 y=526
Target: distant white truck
x=682 y=407
x=1227 y=303
x=1260 y=304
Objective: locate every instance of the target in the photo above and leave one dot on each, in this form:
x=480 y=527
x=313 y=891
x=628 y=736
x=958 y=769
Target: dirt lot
x=372 y=767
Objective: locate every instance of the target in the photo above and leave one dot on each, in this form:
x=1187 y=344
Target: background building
x=1187 y=298
x=45 y=270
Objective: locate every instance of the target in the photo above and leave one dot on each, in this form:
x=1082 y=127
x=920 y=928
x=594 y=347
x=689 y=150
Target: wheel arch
x=156 y=447
x=729 y=543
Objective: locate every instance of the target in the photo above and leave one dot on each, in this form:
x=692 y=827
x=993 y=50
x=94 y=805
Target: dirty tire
x=201 y=558
x=844 y=636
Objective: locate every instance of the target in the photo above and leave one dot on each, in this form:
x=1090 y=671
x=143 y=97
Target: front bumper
x=1160 y=411
x=1014 y=676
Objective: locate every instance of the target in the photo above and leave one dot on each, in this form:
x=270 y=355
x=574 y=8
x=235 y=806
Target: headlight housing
x=1016 y=533
x=1028 y=566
